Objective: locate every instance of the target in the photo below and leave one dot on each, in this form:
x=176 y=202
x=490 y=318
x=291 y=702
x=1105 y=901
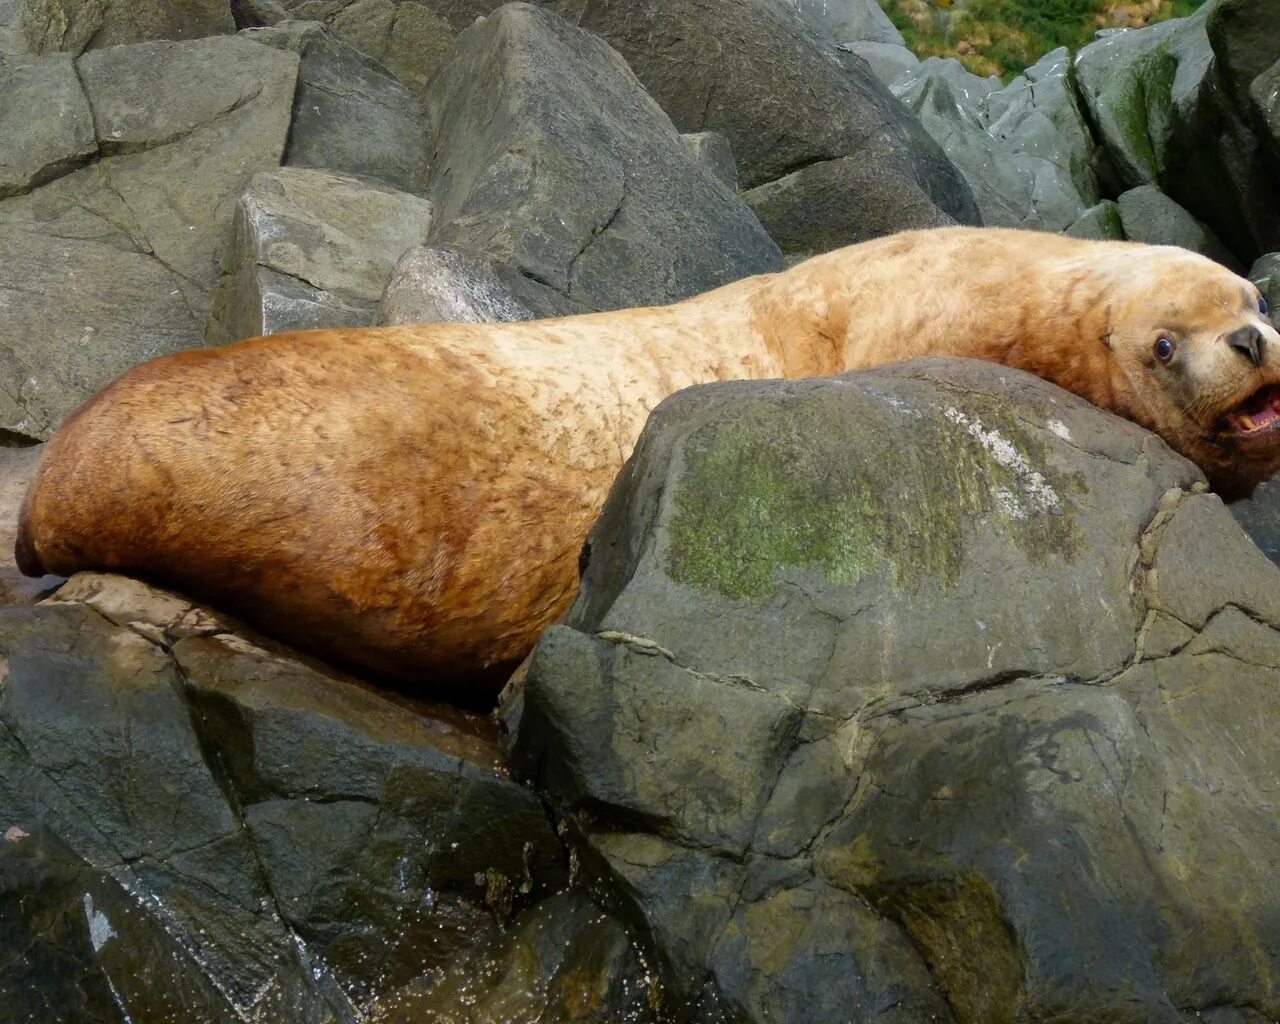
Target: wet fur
x=413 y=499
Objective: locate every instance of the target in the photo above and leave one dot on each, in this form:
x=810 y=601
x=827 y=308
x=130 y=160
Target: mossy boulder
x=926 y=693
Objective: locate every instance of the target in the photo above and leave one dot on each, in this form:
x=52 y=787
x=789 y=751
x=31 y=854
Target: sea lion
x=413 y=499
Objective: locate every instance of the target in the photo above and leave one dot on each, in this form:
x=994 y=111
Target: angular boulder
x=1101 y=222
x=412 y=38
x=443 y=285
x=198 y=827
x=888 y=61
x=757 y=74
x=350 y=113
x=926 y=693
x=1168 y=107
x=550 y=156
x=1148 y=215
x=1025 y=149
x=313 y=249
x=114 y=263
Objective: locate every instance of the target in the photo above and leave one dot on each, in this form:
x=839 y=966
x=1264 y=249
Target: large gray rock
x=46 y=128
x=13 y=36
x=757 y=73
x=550 y=156
x=350 y=113
x=712 y=150
x=114 y=263
x=848 y=21
x=927 y=693
x=313 y=249
x=199 y=828
x=1101 y=222
x=1245 y=42
x=889 y=61
x=563 y=960
x=1148 y=215
x=1025 y=150
x=443 y=285
x=413 y=38
x=79 y=25
x=1140 y=87
x=1168 y=107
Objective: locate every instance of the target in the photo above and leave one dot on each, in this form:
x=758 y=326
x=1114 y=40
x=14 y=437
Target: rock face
x=410 y=37
x=79 y=25
x=848 y=21
x=313 y=249
x=1148 y=215
x=45 y=122
x=1174 y=107
x=550 y=156
x=1024 y=149
x=130 y=245
x=909 y=723
x=441 y=285
x=350 y=113
x=198 y=828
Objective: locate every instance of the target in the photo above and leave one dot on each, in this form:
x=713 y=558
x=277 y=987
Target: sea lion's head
x=1202 y=356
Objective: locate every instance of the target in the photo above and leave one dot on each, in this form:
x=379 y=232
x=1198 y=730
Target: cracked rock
x=1024 y=149
x=350 y=114
x=953 y=706
x=46 y=128
x=1172 y=109
x=78 y=25
x=313 y=249
x=549 y=156
x=113 y=263
x=451 y=285
x=827 y=153
x=198 y=825
x=413 y=38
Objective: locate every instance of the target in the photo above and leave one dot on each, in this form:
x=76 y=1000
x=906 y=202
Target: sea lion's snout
x=1249 y=342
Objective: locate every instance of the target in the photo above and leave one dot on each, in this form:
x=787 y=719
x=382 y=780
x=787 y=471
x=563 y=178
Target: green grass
x=1004 y=37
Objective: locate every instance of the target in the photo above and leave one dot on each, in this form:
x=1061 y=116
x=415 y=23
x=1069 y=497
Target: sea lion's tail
x=24 y=547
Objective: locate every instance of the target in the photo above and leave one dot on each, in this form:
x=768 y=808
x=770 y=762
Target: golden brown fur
x=413 y=499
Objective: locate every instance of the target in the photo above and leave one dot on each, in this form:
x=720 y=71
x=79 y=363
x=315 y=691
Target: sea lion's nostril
x=1248 y=342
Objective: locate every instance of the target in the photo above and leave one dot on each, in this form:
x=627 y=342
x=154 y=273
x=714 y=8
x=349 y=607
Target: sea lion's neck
x=855 y=309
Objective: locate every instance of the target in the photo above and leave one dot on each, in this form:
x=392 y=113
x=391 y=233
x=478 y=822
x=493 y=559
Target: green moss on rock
x=819 y=484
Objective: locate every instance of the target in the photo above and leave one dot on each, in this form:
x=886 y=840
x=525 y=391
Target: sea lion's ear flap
x=1106 y=341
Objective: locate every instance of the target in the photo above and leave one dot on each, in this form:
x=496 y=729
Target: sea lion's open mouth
x=1256 y=416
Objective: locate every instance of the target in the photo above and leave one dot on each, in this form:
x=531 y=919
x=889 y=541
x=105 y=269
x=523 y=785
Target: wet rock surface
x=814 y=808
x=200 y=828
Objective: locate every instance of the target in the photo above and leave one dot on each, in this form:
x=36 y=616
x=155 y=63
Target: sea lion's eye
x=1263 y=308
x=1164 y=349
